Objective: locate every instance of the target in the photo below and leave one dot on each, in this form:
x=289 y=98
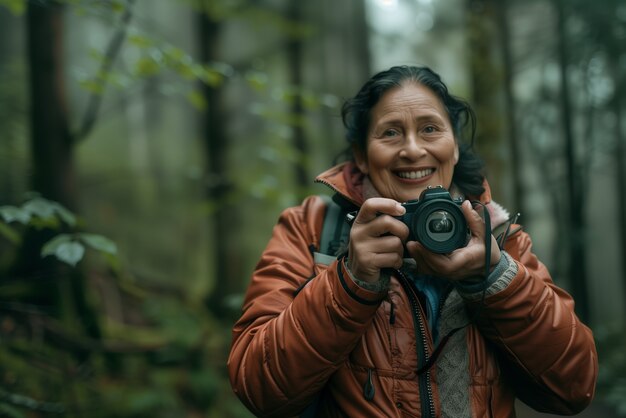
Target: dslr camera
x=435 y=220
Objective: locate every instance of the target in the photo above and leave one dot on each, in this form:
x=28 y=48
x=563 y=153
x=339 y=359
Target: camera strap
x=335 y=234
x=444 y=340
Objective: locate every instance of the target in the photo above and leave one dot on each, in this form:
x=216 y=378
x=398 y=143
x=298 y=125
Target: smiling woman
x=449 y=116
x=387 y=327
x=410 y=144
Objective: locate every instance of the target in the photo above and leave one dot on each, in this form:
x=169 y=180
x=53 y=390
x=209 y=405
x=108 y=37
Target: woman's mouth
x=416 y=174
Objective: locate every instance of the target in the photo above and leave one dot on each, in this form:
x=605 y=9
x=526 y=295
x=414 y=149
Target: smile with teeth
x=414 y=175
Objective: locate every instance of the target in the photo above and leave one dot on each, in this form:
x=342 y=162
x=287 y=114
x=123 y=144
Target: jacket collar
x=345 y=179
x=350 y=183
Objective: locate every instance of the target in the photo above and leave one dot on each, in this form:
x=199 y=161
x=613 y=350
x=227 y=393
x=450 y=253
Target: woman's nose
x=412 y=148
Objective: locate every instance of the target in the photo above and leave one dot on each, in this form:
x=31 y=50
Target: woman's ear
x=360 y=158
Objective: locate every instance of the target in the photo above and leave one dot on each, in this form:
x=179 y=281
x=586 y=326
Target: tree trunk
x=294 y=60
x=52 y=152
x=338 y=63
x=576 y=219
x=620 y=164
x=54 y=284
x=11 y=102
x=51 y=142
x=501 y=9
x=213 y=137
x=620 y=151
x=486 y=95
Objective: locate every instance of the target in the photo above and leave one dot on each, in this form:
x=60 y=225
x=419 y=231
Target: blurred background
x=148 y=147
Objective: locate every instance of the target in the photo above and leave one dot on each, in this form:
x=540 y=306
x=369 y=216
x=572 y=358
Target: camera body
x=436 y=221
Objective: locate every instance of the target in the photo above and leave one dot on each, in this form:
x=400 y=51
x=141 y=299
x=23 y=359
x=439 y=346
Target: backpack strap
x=335 y=233
x=333 y=242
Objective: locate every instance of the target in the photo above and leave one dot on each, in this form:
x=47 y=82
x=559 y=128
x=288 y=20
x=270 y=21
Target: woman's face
x=410 y=143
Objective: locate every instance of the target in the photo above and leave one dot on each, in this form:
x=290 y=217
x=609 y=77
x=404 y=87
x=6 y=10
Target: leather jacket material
x=309 y=333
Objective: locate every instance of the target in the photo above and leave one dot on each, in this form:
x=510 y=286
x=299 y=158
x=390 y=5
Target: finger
x=375 y=206
x=388 y=225
x=474 y=220
x=422 y=257
x=387 y=260
x=387 y=244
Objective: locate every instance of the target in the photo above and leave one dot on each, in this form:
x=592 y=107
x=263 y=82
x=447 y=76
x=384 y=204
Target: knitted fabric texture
x=453 y=364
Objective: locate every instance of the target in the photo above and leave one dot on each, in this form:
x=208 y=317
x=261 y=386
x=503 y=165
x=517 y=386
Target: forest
x=147 y=148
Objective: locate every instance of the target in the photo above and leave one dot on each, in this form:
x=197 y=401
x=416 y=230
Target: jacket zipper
x=426 y=391
x=331 y=187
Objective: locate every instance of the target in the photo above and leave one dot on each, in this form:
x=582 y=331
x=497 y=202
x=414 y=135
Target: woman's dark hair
x=356 y=114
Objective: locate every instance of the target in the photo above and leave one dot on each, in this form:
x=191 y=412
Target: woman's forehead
x=408 y=98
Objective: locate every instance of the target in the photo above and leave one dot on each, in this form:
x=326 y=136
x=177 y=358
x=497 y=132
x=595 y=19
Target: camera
x=436 y=221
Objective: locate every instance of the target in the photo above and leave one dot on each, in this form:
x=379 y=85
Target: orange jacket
x=359 y=350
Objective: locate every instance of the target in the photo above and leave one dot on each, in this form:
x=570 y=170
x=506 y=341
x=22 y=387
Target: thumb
x=474 y=220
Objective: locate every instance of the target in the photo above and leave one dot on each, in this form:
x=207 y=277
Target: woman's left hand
x=464 y=263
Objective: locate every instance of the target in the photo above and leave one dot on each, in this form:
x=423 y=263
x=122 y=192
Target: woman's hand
x=376 y=239
x=464 y=263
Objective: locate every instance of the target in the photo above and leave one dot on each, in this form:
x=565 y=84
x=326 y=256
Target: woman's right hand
x=376 y=239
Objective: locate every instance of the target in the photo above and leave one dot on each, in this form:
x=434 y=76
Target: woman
x=390 y=328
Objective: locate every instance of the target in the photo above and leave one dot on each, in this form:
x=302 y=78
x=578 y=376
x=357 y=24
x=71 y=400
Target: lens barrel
x=439 y=225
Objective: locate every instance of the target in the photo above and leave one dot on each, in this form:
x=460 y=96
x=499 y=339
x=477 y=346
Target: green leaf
x=99 y=242
x=10 y=234
x=257 y=80
x=117 y=6
x=40 y=207
x=48 y=210
x=12 y=213
x=92 y=86
x=310 y=100
x=147 y=67
x=65 y=249
x=70 y=252
x=16 y=7
x=51 y=247
x=197 y=99
x=66 y=216
x=210 y=76
x=140 y=41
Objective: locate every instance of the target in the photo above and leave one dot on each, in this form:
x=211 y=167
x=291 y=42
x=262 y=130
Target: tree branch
x=112 y=51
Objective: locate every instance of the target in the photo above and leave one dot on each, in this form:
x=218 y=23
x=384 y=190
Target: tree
x=213 y=131
x=52 y=142
x=295 y=61
x=492 y=70
x=503 y=28
x=576 y=216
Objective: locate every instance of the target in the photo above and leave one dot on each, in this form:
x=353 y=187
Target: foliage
x=39 y=213
x=157 y=355
x=152 y=348
x=15 y=6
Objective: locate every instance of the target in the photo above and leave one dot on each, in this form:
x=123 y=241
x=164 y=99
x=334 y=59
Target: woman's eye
x=390 y=133
x=430 y=129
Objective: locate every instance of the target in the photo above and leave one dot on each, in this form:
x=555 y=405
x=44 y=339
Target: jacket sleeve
x=285 y=348
x=548 y=355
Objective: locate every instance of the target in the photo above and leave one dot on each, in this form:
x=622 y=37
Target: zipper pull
x=368 y=388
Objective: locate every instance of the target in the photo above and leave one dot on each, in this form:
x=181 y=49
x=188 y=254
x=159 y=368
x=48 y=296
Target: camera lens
x=440 y=225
